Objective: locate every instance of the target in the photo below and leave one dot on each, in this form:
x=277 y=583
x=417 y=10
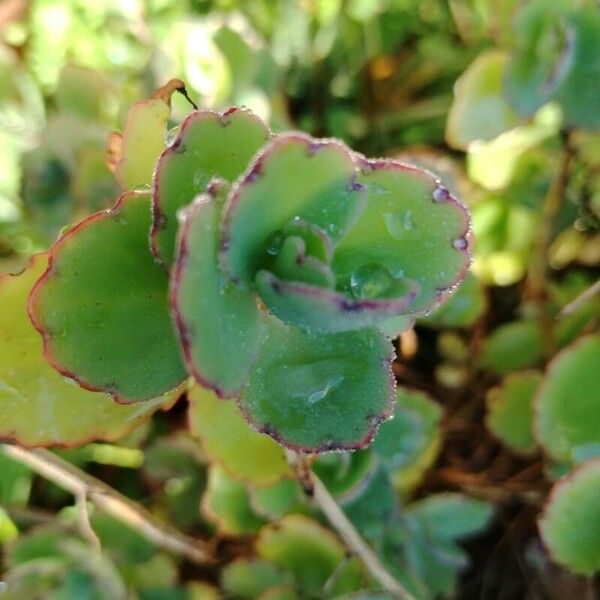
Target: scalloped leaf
x=412 y=227
x=141 y=143
x=209 y=145
x=311 y=554
x=408 y=444
x=219 y=325
x=510 y=410
x=228 y=440
x=39 y=407
x=293 y=178
x=479 y=110
x=101 y=306
x=566 y=407
x=315 y=392
x=226 y=504
x=551 y=60
x=570 y=523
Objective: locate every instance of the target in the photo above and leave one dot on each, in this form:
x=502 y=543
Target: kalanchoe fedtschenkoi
x=291 y=264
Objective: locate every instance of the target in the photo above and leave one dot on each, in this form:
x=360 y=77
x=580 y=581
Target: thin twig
x=331 y=509
x=570 y=308
x=85 y=487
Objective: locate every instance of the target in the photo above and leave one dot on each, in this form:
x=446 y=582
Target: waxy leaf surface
x=411 y=229
x=570 y=523
x=39 y=407
x=295 y=178
x=209 y=144
x=219 y=325
x=102 y=310
x=228 y=439
x=315 y=392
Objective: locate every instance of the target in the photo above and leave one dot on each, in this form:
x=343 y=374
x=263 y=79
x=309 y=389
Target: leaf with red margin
x=412 y=227
x=209 y=145
x=319 y=309
x=295 y=178
x=219 y=325
x=134 y=156
x=38 y=407
x=317 y=392
x=570 y=522
x=228 y=440
x=101 y=306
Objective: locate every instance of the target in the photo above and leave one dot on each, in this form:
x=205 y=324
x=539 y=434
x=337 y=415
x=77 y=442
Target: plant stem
x=315 y=488
x=537 y=287
x=570 y=308
x=84 y=486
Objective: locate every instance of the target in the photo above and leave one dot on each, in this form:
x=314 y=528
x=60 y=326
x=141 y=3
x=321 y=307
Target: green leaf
x=345 y=474
x=276 y=500
x=209 y=144
x=310 y=553
x=464 y=307
x=219 y=325
x=229 y=440
x=451 y=516
x=142 y=141
x=315 y=392
x=280 y=592
x=318 y=309
x=479 y=110
x=39 y=407
x=226 y=503
x=294 y=178
x=510 y=410
x=566 y=409
x=101 y=306
x=570 y=523
x=248 y=578
x=412 y=228
x=555 y=57
x=512 y=347
x=408 y=444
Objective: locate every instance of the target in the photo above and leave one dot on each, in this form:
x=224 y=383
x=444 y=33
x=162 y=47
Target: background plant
x=511 y=348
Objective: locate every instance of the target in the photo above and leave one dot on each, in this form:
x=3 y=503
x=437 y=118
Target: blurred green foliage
x=498 y=97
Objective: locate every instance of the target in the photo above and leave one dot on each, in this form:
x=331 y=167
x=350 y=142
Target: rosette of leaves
x=289 y=260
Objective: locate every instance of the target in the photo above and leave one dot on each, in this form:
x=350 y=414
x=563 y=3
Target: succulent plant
x=293 y=260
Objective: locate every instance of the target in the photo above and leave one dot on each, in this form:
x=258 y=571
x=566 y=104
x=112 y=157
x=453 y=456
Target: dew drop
x=370 y=281
x=460 y=244
x=441 y=195
x=398 y=223
x=274 y=243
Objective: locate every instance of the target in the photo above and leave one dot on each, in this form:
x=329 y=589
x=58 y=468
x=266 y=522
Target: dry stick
x=81 y=485
x=331 y=509
x=570 y=308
